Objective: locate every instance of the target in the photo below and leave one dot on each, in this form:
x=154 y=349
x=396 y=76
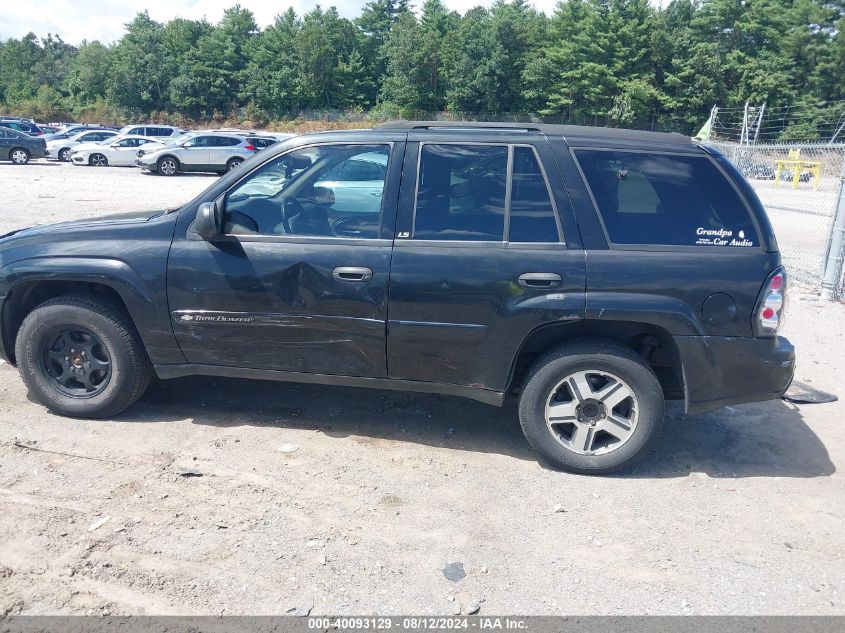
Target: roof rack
x=460 y=125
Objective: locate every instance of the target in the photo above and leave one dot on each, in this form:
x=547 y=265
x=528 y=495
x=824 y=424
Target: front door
x=296 y=283
x=486 y=252
x=194 y=155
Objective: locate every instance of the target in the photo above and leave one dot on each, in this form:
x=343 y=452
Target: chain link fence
x=798 y=184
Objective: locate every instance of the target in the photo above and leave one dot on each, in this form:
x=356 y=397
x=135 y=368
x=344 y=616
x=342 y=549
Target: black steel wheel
x=77 y=360
x=81 y=356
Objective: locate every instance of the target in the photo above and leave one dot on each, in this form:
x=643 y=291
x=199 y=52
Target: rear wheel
x=19 y=156
x=81 y=356
x=64 y=154
x=167 y=166
x=234 y=163
x=591 y=406
x=98 y=160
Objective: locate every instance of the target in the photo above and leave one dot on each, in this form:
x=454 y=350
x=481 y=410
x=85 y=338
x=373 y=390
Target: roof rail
x=459 y=125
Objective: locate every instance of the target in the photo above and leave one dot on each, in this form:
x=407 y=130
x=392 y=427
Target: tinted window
x=666 y=199
x=295 y=195
x=223 y=141
x=532 y=215
x=158 y=131
x=198 y=141
x=136 y=130
x=3 y=133
x=461 y=193
x=261 y=143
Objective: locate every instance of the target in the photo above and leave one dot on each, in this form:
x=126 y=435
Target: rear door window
x=223 y=141
x=532 y=214
x=666 y=200
x=461 y=193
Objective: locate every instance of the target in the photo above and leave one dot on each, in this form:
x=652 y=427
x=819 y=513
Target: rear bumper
x=720 y=370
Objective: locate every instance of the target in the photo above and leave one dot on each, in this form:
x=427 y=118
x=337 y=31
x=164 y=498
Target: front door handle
x=539 y=280
x=352 y=273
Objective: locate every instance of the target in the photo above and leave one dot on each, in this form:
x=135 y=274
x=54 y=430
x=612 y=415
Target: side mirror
x=207 y=222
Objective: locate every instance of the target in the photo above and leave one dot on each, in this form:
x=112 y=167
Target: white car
x=61 y=148
x=117 y=151
x=164 y=132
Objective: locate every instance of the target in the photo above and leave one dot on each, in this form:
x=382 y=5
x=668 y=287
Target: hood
x=134 y=217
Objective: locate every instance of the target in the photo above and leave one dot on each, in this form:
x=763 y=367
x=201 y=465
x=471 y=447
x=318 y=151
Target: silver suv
x=198 y=151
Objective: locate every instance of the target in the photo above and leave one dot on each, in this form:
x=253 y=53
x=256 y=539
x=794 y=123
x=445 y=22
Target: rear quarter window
x=666 y=200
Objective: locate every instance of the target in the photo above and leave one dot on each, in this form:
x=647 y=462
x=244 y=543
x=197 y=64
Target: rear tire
x=81 y=356
x=19 y=156
x=234 y=163
x=591 y=406
x=64 y=154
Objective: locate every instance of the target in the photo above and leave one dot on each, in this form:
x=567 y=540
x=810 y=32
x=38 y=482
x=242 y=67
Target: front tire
x=167 y=166
x=80 y=356
x=591 y=406
x=98 y=160
x=19 y=156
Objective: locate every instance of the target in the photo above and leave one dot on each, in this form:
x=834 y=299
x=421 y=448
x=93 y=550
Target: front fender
x=146 y=307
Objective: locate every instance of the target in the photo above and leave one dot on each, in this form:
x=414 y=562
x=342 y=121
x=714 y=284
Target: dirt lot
x=740 y=511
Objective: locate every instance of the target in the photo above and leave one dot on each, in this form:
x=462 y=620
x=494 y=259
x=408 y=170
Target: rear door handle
x=539 y=280
x=352 y=273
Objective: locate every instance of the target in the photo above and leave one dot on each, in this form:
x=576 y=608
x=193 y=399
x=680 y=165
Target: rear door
x=5 y=143
x=486 y=251
x=220 y=150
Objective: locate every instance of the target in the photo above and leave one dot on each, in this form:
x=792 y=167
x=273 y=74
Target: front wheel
x=81 y=356
x=591 y=406
x=168 y=166
x=98 y=160
x=19 y=156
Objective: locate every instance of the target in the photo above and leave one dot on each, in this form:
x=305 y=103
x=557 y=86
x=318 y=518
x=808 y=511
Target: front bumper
x=723 y=370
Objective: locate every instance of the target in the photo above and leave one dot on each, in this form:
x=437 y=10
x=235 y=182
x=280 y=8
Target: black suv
x=593 y=272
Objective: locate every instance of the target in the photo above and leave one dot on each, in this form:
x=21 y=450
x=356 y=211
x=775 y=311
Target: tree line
x=605 y=62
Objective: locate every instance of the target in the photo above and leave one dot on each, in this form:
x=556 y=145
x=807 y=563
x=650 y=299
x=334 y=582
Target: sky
x=76 y=20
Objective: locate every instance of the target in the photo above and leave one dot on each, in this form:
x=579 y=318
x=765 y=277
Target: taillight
x=251 y=148
x=771 y=305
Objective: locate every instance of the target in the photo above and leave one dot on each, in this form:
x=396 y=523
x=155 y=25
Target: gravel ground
x=739 y=511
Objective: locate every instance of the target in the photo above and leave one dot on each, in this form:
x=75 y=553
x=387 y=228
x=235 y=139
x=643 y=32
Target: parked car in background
x=19 y=147
x=66 y=131
x=261 y=140
x=21 y=125
x=196 y=151
x=62 y=147
x=117 y=151
x=157 y=131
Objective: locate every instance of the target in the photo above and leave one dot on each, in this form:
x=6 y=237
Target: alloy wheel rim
x=234 y=163
x=99 y=160
x=168 y=167
x=76 y=361
x=592 y=412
